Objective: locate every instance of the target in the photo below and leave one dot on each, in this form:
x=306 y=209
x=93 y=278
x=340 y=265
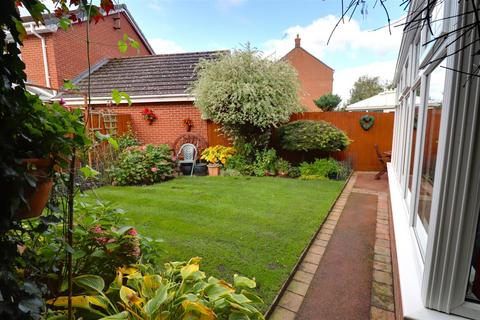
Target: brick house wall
x=169 y=123
x=316 y=78
x=66 y=50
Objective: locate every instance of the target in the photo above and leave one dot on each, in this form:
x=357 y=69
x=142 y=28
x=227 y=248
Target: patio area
x=346 y=273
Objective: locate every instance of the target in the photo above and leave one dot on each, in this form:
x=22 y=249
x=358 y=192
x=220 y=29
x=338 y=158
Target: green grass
x=256 y=227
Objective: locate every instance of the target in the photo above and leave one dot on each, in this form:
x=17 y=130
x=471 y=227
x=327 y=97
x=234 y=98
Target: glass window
x=473 y=288
x=433 y=113
x=416 y=109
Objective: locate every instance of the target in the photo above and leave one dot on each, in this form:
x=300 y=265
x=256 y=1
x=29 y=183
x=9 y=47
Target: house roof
x=51 y=23
x=382 y=101
x=143 y=76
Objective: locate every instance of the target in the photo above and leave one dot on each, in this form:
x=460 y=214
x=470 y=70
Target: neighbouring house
x=51 y=54
x=159 y=83
x=434 y=174
x=316 y=78
x=383 y=102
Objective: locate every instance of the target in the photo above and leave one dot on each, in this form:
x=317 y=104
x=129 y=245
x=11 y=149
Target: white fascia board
x=30 y=26
x=134 y=99
x=410 y=263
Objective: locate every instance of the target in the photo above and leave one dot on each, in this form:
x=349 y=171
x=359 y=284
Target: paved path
x=346 y=273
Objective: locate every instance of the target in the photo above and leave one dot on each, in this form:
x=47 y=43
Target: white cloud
x=348 y=39
x=165 y=46
x=343 y=79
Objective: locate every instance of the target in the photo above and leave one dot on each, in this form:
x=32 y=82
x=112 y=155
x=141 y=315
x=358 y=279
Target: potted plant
x=217 y=156
x=188 y=123
x=149 y=115
x=48 y=136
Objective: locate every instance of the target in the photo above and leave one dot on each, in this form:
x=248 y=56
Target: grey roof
x=162 y=74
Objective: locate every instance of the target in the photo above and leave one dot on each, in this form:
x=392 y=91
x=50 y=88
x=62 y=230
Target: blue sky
x=270 y=26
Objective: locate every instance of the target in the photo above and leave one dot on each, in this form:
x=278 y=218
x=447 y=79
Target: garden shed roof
x=144 y=76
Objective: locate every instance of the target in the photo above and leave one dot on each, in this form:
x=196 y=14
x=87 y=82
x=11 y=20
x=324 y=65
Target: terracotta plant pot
x=282 y=174
x=37 y=197
x=213 y=170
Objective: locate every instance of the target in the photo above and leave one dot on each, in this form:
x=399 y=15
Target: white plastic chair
x=189 y=152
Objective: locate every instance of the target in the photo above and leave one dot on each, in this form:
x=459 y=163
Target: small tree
x=365 y=87
x=247 y=95
x=328 y=102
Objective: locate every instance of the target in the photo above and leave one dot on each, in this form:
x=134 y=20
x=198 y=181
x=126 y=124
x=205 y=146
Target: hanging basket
x=37 y=197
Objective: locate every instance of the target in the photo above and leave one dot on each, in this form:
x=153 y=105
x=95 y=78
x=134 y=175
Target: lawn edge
x=289 y=279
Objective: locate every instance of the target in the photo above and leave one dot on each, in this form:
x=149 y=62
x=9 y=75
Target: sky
x=271 y=26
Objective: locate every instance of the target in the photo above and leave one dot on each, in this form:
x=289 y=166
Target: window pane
x=414 y=137
x=473 y=288
x=433 y=115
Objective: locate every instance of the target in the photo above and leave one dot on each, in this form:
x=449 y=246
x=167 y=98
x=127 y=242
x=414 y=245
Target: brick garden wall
x=169 y=124
x=66 y=50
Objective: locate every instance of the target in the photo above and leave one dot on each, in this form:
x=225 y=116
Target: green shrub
x=240 y=164
x=128 y=139
x=328 y=102
x=294 y=172
x=323 y=169
x=282 y=166
x=265 y=161
x=143 y=165
x=307 y=135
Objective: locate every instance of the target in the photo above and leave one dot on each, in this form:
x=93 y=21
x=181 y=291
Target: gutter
x=44 y=53
x=135 y=99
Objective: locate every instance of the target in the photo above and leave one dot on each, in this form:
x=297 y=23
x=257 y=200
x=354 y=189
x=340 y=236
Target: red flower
x=73 y=17
x=97 y=229
x=58 y=12
x=154 y=169
x=132 y=232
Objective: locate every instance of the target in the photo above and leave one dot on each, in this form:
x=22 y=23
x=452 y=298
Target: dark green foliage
x=365 y=87
x=263 y=162
x=307 y=135
x=143 y=165
x=328 y=102
x=294 y=172
x=324 y=168
x=128 y=139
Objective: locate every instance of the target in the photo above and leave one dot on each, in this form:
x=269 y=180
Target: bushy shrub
x=294 y=172
x=143 y=165
x=230 y=173
x=307 y=135
x=328 y=102
x=247 y=94
x=241 y=164
x=324 y=169
x=265 y=161
x=128 y=139
x=282 y=166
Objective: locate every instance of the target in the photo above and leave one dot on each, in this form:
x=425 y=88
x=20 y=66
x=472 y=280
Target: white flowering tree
x=247 y=94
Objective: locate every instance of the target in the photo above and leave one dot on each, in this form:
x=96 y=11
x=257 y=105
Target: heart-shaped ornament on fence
x=366 y=122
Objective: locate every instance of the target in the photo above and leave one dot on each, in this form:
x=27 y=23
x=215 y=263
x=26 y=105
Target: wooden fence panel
x=360 y=152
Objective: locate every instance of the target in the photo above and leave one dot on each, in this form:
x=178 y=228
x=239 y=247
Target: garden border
x=290 y=277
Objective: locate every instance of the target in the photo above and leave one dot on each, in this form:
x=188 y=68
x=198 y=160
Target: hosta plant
x=181 y=291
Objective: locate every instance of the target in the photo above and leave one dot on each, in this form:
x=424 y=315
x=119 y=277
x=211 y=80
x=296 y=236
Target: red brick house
x=316 y=78
x=158 y=82
x=48 y=50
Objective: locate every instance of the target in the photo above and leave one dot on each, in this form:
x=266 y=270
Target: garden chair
x=383 y=161
x=189 y=154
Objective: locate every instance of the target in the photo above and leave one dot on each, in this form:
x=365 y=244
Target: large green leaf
x=154 y=304
x=188 y=270
x=90 y=282
x=215 y=291
x=243 y=282
x=119 y=316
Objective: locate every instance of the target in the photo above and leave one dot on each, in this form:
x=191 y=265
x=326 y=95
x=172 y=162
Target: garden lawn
x=256 y=227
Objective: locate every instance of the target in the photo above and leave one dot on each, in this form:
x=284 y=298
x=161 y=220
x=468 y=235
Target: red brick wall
x=66 y=50
x=316 y=79
x=169 y=124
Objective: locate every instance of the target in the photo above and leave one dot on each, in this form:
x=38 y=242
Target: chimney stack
x=297 y=41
